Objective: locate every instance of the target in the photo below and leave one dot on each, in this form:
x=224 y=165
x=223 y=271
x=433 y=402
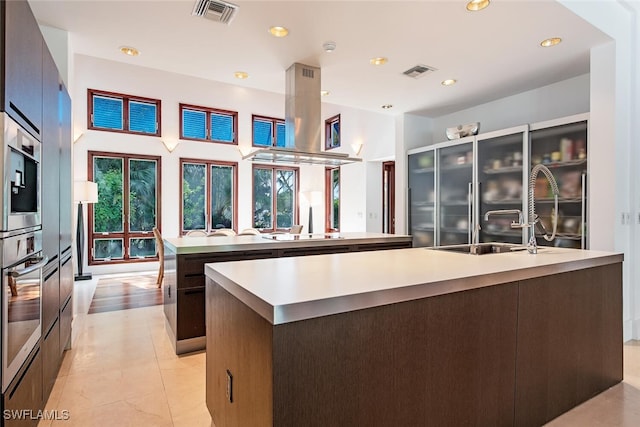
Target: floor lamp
x=83 y=192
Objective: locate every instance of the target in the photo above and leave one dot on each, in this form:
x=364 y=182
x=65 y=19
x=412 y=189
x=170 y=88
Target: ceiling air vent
x=215 y=10
x=418 y=71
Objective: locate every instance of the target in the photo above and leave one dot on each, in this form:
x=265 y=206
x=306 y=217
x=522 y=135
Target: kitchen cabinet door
x=562 y=147
x=23 y=66
x=454 y=182
x=65 y=185
x=422 y=199
x=502 y=184
x=50 y=165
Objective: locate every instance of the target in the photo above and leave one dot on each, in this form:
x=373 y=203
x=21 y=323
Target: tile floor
x=122 y=371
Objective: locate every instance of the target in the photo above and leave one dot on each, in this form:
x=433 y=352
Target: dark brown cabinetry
x=23 y=47
x=184 y=283
x=546 y=345
x=50 y=295
x=25 y=393
x=51 y=358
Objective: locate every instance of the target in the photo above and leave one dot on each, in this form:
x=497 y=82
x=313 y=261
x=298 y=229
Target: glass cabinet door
x=563 y=149
x=455 y=175
x=500 y=186
x=422 y=198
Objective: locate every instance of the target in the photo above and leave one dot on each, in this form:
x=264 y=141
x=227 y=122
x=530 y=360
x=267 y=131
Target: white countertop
x=288 y=289
x=191 y=245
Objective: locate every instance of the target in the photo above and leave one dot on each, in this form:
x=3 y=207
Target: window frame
x=126 y=99
x=328 y=198
x=274 y=130
x=208 y=163
x=296 y=200
x=328 y=132
x=126 y=233
x=208 y=112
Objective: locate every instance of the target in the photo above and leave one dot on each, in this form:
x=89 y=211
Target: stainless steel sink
x=481 y=248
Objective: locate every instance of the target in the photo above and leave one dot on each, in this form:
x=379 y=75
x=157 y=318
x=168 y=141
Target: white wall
x=375 y=130
x=617 y=212
x=561 y=99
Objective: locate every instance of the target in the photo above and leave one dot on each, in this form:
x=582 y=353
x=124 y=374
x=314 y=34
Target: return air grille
x=418 y=71
x=215 y=10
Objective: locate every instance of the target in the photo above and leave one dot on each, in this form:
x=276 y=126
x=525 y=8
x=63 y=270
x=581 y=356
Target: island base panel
x=444 y=359
x=569 y=341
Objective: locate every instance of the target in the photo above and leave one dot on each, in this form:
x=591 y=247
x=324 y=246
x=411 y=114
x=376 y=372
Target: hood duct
x=303 y=124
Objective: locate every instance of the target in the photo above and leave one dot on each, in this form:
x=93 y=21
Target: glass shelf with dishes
x=500 y=183
x=562 y=147
x=422 y=197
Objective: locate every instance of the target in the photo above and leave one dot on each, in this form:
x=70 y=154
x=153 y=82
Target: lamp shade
x=85 y=192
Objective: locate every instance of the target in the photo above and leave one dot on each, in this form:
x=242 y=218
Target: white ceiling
x=492 y=53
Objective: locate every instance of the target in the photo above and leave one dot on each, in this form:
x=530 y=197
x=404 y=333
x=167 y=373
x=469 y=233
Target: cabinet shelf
x=512 y=169
x=454 y=230
x=503 y=202
x=455 y=167
x=503 y=233
x=570 y=163
x=455 y=203
x=560 y=200
x=422 y=228
x=423 y=170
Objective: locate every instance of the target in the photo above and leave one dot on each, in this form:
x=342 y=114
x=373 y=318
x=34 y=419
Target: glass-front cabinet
x=501 y=184
x=454 y=185
x=454 y=182
x=422 y=199
x=562 y=147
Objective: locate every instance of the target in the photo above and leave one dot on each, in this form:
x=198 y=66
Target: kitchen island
x=412 y=337
x=185 y=257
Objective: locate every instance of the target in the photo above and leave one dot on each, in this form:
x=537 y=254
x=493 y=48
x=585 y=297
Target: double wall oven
x=20 y=246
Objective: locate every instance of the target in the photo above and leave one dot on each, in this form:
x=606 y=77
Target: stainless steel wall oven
x=20 y=171
x=22 y=265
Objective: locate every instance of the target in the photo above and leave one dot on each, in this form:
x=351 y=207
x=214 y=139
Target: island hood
x=303 y=124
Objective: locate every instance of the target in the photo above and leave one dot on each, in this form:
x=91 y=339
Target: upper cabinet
x=561 y=145
x=501 y=182
x=473 y=189
x=23 y=48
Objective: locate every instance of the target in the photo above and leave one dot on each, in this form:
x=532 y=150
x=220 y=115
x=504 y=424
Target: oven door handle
x=17 y=273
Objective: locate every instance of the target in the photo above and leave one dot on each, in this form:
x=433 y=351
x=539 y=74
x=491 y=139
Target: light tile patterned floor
x=122 y=371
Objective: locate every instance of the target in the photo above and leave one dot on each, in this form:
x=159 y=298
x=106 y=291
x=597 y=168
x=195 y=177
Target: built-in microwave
x=20 y=169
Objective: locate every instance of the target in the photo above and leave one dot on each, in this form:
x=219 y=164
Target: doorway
x=388 y=197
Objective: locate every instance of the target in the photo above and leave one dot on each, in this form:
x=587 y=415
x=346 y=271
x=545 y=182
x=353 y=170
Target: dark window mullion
x=125 y=112
x=125 y=201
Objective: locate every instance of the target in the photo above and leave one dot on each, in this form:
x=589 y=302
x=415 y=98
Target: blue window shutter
x=221 y=127
x=280 y=135
x=194 y=124
x=262 y=131
x=142 y=117
x=107 y=112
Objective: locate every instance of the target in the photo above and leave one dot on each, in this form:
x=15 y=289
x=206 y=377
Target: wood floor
x=122 y=293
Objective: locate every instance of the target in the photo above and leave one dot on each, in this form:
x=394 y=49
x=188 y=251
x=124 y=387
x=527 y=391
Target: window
x=208 y=195
x=115 y=112
x=121 y=223
x=268 y=132
x=332 y=132
x=208 y=124
x=332 y=199
x=275 y=197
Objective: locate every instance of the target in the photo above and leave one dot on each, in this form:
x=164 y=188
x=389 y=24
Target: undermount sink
x=481 y=248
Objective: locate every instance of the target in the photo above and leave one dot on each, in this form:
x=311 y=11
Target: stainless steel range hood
x=303 y=124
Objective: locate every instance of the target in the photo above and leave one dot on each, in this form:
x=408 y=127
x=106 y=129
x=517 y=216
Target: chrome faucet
x=532 y=246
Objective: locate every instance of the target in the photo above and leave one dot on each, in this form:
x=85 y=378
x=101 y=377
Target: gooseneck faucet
x=532 y=246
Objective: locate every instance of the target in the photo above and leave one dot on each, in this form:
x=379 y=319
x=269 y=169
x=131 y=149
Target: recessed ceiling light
x=128 y=50
x=387 y=106
x=449 y=82
x=378 y=61
x=476 y=5
x=324 y=92
x=550 y=42
x=241 y=75
x=278 y=31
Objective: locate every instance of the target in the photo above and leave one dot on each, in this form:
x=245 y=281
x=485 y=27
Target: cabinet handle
x=582 y=213
x=469 y=213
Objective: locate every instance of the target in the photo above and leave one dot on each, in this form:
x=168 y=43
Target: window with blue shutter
x=208 y=124
x=268 y=132
x=116 y=112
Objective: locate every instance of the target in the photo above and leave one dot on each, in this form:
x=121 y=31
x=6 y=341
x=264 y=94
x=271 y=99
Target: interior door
x=388 y=197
